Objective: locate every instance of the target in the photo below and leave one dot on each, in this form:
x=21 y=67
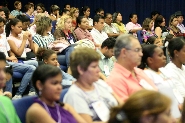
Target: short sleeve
x=78 y=102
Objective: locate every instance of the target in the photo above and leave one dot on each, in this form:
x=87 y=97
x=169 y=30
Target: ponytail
x=8 y=28
x=44 y=53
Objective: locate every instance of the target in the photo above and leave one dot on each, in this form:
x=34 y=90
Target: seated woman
x=17 y=11
x=160 y=29
x=40 y=8
x=145 y=106
x=153 y=61
x=47 y=82
x=50 y=57
x=88 y=91
x=155 y=41
x=54 y=12
x=81 y=31
x=74 y=13
x=133 y=26
x=175 y=68
x=112 y=29
x=21 y=43
x=147 y=29
x=173 y=26
x=117 y=21
x=63 y=30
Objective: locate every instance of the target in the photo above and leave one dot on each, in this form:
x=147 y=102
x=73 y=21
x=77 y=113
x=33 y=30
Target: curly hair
x=42 y=25
x=62 y=21
x=146 y=23
x=73 y=10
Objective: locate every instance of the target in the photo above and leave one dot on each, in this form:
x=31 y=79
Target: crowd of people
x=113 y=72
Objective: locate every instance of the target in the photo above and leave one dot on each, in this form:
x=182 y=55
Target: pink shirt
x=18 y=43
x=124 y=84
x=83 y=34
x=130 y=26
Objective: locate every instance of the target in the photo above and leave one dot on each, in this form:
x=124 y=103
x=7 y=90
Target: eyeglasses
x=137 y=50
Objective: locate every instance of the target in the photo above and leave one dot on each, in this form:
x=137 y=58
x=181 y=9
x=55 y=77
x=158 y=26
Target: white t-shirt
x=81 y=101
x=4 y=46
x=165 y=85
x=98 y=36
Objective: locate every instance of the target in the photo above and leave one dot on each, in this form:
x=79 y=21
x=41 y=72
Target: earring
x=40 y=92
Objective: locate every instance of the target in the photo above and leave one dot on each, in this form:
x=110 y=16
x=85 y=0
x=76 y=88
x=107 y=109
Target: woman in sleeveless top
x=46 y=109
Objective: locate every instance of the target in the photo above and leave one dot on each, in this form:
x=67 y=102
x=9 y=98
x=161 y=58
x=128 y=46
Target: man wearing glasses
x=126 y=78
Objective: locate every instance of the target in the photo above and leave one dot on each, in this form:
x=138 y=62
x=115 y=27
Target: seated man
x=24 y=69
x=126 y=78
x=7 y=111
x=97 y=32
x=106 y=52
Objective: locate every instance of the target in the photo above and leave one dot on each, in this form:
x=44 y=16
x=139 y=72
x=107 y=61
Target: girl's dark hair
x=158 y=21
x=12 y=22
x=41 y=6
x=98 y=10
x=83 y=9
x=175 y=44
x=44 y=53
x=148 y=51
x=43 y=73
x=79 y=20
x=54 y=8
x=151 y=40
x=131 y=16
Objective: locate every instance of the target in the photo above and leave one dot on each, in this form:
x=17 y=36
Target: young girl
x=21 y=43
x=47 y=83
x=50 y=57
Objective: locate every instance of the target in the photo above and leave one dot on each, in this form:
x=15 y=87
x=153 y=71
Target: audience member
x=180 y=19
x=154 y=14
x=7 y=13
x=117 y=20
x=106 y=52
x=147 y=29
x=40 y=8
x=176 y=68
x=7 y=111
x=67 y=6
x=2 y=14
x=74 y=12
x=97 y=32
x=47 y=82
x=155 y=41
x=85 y=11
x=144 y=107
x=64 y=31
x=25 y=70
x=100 y=12
x=173 y=22
x=21 y=43
x=126 y=78
x=153 y=61
x=133 y=26
x=88 y=91
x=29 y=9
x=110 y=28
x=17 y=11
x=50 y=57
x=81 y=31
x=25 y=21
x=54 y=15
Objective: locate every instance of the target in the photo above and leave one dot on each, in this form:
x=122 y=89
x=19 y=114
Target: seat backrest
x=140 y=36
x=22 y=105
x=64 y=91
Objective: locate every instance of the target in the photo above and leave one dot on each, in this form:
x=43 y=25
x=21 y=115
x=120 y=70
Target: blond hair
x=72 y=11
x=62 y=21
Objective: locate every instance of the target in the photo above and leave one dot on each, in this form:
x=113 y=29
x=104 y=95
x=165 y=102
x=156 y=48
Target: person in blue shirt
x=17 y=10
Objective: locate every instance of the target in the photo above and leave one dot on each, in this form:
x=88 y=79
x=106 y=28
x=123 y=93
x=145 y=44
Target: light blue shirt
x=15 y=13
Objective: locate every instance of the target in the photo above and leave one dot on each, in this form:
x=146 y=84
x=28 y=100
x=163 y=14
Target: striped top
x=43 y=41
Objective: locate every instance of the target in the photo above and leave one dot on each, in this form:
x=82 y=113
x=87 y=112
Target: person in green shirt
x=7 y=110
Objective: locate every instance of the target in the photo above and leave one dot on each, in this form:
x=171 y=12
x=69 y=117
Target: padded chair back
x=140 y=36
x=22 y=105
x=53 y=26
x=64 y=91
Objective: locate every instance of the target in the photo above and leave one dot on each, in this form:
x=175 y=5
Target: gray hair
x=122 y=41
